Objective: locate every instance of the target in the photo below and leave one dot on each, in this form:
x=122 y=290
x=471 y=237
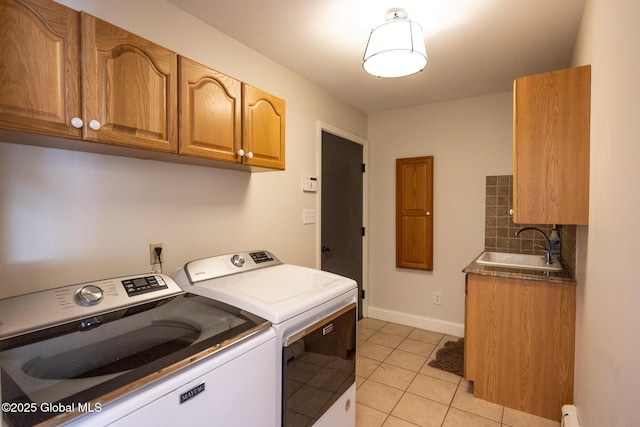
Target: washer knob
x=89 y=295
x=237 y=260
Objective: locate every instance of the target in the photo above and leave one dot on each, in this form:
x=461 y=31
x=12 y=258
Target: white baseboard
x=429 y=323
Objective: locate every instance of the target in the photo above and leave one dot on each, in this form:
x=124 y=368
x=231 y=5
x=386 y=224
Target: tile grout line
x=436 y=347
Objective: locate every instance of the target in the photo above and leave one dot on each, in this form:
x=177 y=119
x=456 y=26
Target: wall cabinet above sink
x=551 y=128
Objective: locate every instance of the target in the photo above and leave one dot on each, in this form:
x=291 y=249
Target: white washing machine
x=133 y=351
x=314 y=315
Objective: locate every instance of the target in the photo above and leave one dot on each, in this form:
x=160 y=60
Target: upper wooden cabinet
x=414 y=208
x=210 y=113
x=130 y=87
x=551 y=147
x=39 y=71
x=71 y=75
x=223 y=119
x=263 y=131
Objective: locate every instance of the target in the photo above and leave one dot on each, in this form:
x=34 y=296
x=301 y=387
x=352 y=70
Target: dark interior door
x=342 y=228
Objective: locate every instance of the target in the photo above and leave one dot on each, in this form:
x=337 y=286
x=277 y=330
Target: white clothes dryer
x=314 y=315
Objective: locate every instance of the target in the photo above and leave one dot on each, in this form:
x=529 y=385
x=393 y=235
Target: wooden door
x=264 y=128
x=551 y=147
x=39 y=53
x=129 y=88
x=210 y=113
x=414 y=213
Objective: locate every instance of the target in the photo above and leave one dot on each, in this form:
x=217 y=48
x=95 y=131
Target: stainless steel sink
x=503 y=259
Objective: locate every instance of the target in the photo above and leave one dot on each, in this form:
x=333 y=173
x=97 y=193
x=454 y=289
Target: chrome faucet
x=547 y=250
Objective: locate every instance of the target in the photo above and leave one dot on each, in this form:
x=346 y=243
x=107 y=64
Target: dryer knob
x=237 y=260
x=89 y=295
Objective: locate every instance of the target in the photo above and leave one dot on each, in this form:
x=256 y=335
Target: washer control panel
x=142 y=285
x=50 y=307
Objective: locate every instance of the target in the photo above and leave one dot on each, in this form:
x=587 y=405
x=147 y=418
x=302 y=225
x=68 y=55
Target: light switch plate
x=308 y=216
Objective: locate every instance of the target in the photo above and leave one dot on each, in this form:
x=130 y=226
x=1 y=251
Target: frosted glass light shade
x=395 y=49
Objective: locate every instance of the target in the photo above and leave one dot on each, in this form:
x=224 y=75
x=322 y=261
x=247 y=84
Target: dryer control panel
x=224 y=265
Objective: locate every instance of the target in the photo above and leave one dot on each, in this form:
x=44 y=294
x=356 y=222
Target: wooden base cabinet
x=519 y=343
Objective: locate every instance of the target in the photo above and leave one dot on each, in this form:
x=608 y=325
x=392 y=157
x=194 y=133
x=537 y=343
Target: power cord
x=158 y=251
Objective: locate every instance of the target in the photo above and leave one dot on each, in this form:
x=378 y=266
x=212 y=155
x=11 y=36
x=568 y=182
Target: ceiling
x=475 y=47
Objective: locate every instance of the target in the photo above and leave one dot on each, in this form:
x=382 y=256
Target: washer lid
x=132 y=348
x=275 y=293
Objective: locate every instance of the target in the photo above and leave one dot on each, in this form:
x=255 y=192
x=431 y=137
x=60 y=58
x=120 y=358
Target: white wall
x=469 y=139
x=68 y=217
x=607 y=371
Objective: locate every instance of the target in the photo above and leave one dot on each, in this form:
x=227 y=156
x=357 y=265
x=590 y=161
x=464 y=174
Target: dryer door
x=318 y=367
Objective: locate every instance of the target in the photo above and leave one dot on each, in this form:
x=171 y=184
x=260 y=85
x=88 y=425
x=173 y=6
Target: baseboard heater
x=569 y=416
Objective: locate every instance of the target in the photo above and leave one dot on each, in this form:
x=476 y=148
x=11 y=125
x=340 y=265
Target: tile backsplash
x=499 y=232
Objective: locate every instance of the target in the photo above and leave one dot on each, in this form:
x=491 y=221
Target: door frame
x=321 y=126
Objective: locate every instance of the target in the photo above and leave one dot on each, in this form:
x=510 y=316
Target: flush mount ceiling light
x=395 y=48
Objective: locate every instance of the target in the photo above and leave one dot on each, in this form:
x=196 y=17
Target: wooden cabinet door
x=551 y=147
x=414 y=213
x=39 y=53
x=263 y=128
x=519 y=343
x=210 y=113
x=129 y=87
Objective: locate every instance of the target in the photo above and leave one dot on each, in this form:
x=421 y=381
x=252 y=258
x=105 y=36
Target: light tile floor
x=396 y=387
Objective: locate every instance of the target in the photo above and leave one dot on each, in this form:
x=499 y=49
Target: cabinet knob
x=94 y=124
x=77 y=122
x=240 y=152
x=249 y=155
x=428 y=213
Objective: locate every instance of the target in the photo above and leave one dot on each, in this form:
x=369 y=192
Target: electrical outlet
x=437 y=298
x=153 y=256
